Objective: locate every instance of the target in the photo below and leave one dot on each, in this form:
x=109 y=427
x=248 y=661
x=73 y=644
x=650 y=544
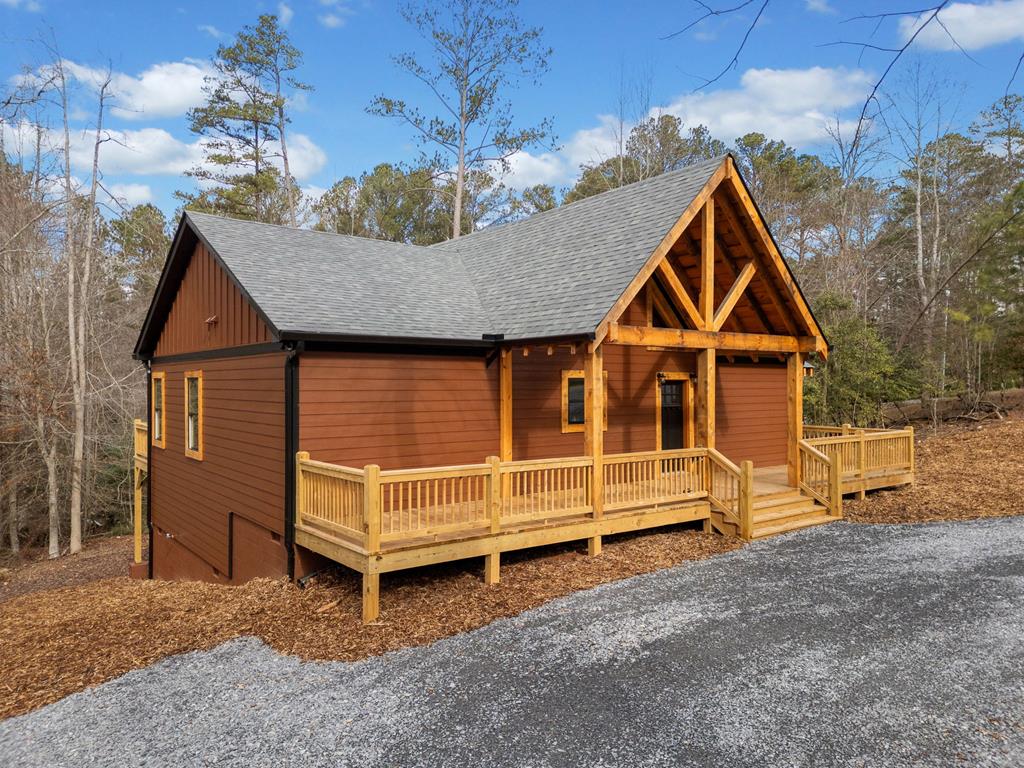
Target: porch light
x=808 y=369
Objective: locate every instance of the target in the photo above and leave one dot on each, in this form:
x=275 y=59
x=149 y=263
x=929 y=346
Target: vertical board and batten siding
x=205 y=292
x=750 y=412
x=240 y=479
x=398 y=410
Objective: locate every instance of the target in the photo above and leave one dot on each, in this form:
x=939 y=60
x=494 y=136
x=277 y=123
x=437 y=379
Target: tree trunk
x=13 y=519
x=54 y=510
x=284 y=153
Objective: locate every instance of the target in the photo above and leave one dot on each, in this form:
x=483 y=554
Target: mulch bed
x=964 y=472
x=56 y=642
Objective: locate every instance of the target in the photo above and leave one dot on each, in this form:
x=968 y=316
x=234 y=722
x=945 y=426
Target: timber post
x=794 y=415
x=300 y=486
x=593 y=437
x=747 y=500
x=492 y=561
x=705 y=410
x=912 y=459
x=372 y=510
x=835 y=487
x=137 y=517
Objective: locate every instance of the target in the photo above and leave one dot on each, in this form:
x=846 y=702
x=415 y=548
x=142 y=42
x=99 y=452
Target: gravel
x=840 y=645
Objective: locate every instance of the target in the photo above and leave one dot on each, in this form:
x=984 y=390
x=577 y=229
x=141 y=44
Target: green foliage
x=139 y=242
x=478 y=51
x=861 y=373
x=243 y=123
x=655 y=146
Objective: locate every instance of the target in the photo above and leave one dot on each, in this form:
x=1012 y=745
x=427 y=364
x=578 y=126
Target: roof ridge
x=633 y=186
x=304 y=229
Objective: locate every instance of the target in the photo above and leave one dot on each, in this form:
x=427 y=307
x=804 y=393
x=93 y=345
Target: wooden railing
x=731 y=491
x=332 y=497
x=370 y=507
x=654 y=479
x=141 y=433
x=819 y=478
x=861 y=452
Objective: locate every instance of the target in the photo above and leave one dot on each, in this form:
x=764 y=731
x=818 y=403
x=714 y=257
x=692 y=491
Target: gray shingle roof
x=554 y=274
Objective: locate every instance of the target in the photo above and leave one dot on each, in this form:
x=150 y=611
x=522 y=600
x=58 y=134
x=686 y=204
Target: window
x=574 y=401
x=157 y=417
x=194 y=414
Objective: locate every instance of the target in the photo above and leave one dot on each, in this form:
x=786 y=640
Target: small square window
x=574 y=401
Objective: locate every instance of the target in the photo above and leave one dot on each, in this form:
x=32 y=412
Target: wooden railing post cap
x=302 y=455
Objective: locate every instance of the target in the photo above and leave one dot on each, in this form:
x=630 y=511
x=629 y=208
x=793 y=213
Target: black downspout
x=149 y=463
x=291 y=447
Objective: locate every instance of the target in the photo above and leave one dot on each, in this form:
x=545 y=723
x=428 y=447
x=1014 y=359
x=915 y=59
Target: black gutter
x=291 y=447
x=149 y=464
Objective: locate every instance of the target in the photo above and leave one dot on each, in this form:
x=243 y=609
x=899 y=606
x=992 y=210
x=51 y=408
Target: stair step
x=761 y=532
x=807 y=508
x=761 y=504
x=774 y=495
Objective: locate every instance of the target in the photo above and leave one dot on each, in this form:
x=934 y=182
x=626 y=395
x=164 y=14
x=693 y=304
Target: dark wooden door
x=672 y=424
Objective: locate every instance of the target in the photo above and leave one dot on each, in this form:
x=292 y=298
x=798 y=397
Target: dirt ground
x=964 y=471
x=55 y=641
x=100 y=559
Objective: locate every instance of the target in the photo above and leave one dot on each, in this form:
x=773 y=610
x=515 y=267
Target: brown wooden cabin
x=630 y=360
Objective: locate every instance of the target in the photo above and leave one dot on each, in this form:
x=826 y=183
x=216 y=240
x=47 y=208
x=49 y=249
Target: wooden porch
x=375 y=521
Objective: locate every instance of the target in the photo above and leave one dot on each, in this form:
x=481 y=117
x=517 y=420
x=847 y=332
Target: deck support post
x=911 y=449
x=705 y=410
x=495 y=487
x=371 y=508
x=794 y=415
x=747 y=500
x=137 y=517
x=505 y=385
x=492 y=568
x=371 y=597
x=593 y=435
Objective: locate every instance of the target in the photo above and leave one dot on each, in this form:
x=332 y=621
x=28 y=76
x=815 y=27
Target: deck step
x=782 y=502
x=805 y=508
x=786 y=525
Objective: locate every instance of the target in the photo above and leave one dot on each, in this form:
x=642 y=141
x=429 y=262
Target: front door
x=673 y=414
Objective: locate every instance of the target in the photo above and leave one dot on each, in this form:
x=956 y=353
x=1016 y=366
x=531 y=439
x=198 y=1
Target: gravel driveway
x=838 y=645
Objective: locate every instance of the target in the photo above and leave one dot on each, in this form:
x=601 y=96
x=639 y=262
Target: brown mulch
x=101 y=558
x=56 y=642
x=965 y=471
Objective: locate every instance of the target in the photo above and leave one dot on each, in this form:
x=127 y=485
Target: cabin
x=632 y=360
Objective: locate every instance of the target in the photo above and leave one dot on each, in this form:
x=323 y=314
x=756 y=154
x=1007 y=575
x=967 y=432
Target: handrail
x=731 y=491
x=861 y=452
x=819 y=477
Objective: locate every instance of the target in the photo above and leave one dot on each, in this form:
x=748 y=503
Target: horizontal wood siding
x=242 y=471
x=631 y=374
x=750 y=412
x=398 y=410
x=207 y=292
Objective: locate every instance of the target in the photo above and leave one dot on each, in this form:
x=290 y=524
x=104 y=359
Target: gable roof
x=553 y=275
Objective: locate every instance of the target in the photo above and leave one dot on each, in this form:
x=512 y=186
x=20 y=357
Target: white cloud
x=155 y=152
x=336 y=13
x=819 y=6
x=285 y=13
x=130 y=195
x=974 y=25
x=27 y=5
x=795 y=105
x=167 y=89
x=211 y=30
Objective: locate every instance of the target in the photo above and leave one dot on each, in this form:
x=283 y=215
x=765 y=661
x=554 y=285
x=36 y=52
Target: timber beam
x=686 y=339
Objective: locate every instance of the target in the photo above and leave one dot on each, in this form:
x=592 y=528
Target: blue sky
x=788 y=84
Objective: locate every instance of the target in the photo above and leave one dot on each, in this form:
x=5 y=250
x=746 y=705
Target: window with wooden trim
x=194 y=414
x=574 y=401
x=156 y=417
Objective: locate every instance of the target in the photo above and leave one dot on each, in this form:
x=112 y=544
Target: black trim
x=291 y=446
x=208 y=354
x=149 y=466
